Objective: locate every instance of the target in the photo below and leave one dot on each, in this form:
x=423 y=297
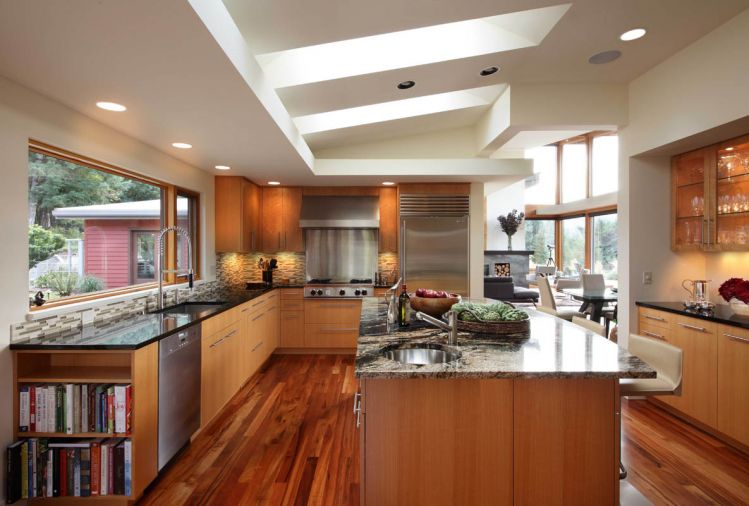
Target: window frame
x=168 y=218
x=589 y=232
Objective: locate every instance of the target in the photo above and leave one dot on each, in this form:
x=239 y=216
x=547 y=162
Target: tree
x=43 y=244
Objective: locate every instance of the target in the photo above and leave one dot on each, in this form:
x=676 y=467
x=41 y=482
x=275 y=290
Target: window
x=93 y=227
x=574 y=171
x=605 y=164
x=541 y=188
x=604 y=245
x=573 y=246
x=539 y=235
x=187 y=218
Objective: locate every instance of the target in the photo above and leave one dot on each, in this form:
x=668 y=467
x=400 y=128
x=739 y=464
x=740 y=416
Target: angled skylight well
x=409 y=48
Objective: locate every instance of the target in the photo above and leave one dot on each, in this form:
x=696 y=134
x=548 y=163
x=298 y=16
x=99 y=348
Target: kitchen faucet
x=392 y=298
x=161 y=270
x=451 y=326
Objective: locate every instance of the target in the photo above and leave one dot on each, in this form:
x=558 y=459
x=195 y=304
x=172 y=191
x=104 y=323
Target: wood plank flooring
x=673 y=463
x=289 y=438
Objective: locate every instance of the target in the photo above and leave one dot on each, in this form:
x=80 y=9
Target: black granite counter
x=555 y=349
x=722 y=313
x=137 y=331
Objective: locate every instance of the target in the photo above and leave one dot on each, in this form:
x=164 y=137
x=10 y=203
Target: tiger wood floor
x=289 y=438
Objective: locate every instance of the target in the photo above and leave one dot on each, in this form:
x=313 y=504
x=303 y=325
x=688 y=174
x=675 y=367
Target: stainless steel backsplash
x=341 y=254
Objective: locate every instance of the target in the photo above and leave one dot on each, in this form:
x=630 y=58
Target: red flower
x=735 y=287
x=742 y=293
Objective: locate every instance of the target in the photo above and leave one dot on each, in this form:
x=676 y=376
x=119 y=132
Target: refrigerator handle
x=403 y=251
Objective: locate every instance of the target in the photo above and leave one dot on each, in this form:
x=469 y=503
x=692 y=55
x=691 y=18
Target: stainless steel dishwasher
x=179 y=391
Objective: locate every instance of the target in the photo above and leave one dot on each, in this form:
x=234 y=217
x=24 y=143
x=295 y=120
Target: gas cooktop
x=338 y=289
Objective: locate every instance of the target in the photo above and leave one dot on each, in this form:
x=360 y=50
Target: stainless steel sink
x=422 y=354
x=192 y=308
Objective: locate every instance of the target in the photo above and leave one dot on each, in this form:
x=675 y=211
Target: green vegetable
x=497 y=312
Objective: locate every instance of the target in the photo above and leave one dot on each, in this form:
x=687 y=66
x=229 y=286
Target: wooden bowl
x=433 y=306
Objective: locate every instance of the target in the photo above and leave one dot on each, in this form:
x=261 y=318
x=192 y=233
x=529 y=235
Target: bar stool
x=665 y=359
x=590 y=325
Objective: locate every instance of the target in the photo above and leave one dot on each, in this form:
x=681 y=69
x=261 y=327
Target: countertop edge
x=661 y=306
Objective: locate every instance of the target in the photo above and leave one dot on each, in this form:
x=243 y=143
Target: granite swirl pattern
x=554 y=349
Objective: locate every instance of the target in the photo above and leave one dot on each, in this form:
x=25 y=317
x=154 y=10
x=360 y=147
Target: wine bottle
x=404 y=308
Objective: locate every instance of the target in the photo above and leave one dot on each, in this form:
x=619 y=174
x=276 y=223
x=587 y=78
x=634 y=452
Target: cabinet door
x=292 y=329
x=691 y=201
x=293 y=236
x=731 y=222
x=228 y=219
x=251 y=216
x=327 y=335
x=733 y=382
x=272 y=219
x=698 y=341
x=218 y=370
x=388 y=220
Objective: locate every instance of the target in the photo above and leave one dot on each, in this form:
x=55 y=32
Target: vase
x=739 y=307
x=509 y=242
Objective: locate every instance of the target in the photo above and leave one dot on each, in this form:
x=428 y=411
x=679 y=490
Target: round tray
x=522 y=328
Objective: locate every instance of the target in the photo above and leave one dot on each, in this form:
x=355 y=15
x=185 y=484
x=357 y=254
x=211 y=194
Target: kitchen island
x=523 y=421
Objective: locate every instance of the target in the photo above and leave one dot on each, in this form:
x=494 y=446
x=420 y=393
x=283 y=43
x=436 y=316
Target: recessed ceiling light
x=181 y=145
x=406 y=85
x=223 y=167
x=273 y=183
x=633 y=34
x=604 y=57
x=388 y=183
x=730 y=149
x=111 y=106
x=488 y=71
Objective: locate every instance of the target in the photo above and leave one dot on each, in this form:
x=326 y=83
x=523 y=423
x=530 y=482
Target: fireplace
x=514 y=262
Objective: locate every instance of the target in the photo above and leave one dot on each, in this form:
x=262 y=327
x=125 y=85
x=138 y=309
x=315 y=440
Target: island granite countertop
x=555 y=349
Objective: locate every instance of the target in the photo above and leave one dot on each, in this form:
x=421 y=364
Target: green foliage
x=497 y=312
x=67 y=283
x=539 y=234
x=90 y=284
x=43 y=244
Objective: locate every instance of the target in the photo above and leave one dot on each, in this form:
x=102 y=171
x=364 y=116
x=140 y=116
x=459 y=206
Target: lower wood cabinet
x=332 y=323
x=220 y=369
x=292 y=329
x=733 y=382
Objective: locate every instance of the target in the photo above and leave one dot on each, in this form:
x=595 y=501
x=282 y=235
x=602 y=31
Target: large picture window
x=93 y=228
x=539 y=236
x=573 y=246
x=574 y=171
x=605 y=164
x=541 y=188
x=604 y=245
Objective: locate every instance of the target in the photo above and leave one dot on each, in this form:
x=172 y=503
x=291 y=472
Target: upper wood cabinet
x=710 y=198
x=388 y=220
x=237 y=215
x=280 y=220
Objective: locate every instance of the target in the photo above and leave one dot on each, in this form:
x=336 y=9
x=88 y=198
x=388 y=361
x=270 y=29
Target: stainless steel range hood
x=339 y=212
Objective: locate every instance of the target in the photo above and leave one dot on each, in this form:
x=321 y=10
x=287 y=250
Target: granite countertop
x=137 y=331
x=722 y=313
x=555 y=349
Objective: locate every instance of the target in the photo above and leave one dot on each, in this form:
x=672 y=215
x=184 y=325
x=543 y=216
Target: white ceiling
x=159 y=59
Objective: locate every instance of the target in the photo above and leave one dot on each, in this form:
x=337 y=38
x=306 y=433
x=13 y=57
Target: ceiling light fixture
x=604 y=57
x=388 y=183
x=181 y=145
x=488 y=71
x=273 y=183
x=406 y=85
x=111 y=106
x=633 y=34
x=223 y=167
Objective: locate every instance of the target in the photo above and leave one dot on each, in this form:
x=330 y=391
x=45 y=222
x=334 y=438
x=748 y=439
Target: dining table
x=594 y=301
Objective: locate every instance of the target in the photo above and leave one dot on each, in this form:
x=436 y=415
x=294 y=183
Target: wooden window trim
x=197 y=256
x=168 y=218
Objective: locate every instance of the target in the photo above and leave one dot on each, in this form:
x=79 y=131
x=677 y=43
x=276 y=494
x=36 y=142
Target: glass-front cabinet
x=710 y=198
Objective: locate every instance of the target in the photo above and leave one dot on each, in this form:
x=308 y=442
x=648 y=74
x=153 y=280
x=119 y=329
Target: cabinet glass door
x=689 y=200
x=732 y=195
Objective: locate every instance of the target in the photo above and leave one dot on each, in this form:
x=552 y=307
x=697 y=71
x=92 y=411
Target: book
x=59 y=408
x=56 y=472
x=13 y=472
x=32 y=409
x=119 y=409
x=24 y=406
x=104 y=469
x=97 y=400
x=128 y=408
x=68 y=403
x=51 y=408
x=128 y=472
x=85 y=472
x=32 y=467
x=92 y=408
x=119 y=469
x=110 y=410
x=76 y=472
x=25 y=469
x=50 y=474
x=84 y=408
x=95 y=466
x=41 y=420
x=63 y=471
x=77 y=408
x=110 y=466
x=70 y=471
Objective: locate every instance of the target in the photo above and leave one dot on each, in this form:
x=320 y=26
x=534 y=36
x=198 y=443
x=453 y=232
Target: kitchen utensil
x=273 y=263
x=261 y=263
x=697 y=289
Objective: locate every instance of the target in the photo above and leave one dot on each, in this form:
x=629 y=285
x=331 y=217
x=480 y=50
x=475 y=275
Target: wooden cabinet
x=292 y=318
x=280 y=219
x=332 y=323
x=388 y=240
x=733 y=382
x=221 y=364
x=238 y=207
x=710 y=198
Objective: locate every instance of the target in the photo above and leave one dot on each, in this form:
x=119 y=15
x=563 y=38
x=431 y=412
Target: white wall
x=26 y=115
x=502 y=202
x=476 y=245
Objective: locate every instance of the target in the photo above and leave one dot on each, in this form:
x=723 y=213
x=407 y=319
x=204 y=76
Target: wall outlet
x=647 y=278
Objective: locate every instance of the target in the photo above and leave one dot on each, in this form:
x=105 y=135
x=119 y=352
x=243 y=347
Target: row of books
x=65 y=468
x=74 y=408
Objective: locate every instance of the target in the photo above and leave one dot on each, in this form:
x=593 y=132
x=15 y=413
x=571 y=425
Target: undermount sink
x=192 y=308
x=422 y=354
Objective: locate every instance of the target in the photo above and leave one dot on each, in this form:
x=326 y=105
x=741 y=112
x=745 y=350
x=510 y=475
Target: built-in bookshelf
x=108 y=400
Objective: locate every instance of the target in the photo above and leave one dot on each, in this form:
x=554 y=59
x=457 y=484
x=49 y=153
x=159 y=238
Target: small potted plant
x=735 y=291
x=509 y=225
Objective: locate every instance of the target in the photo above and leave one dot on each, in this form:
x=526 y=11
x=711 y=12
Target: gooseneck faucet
x=451 y=326
x=190 y=274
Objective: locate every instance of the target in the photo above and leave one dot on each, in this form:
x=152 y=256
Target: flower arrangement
x=735 y=288
x=510 y=223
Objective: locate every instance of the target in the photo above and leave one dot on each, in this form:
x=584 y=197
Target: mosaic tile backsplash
x=235 y=269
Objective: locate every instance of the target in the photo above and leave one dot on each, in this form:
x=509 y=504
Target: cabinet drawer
x=693 y=325
x=219 y=322
x=330 y=336
x=733 y=382
x=655 y=317
x=292 y=329
x=345 y=312
x=292 y=304
x=292 y=293
x=213 y=338
x=652 y=331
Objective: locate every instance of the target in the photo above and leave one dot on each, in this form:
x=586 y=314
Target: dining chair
x=593 y=284
x=590 y=325
x=549 y=305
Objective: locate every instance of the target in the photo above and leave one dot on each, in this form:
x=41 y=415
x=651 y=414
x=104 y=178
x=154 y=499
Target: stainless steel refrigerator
x=435 y=253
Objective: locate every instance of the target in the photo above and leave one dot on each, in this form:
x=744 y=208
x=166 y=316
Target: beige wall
x=26 y=115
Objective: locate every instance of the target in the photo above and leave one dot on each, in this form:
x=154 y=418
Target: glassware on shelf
x=698 y=206
x=742 y=235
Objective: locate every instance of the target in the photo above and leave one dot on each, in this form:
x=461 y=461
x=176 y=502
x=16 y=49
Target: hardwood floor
x=673 y=463
x=289 y=438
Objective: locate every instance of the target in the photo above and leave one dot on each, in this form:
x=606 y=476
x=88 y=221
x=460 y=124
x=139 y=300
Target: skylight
x=397 y=109
x=409 y=48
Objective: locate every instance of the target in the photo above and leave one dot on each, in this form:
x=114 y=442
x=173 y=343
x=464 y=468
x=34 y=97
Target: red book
x=63 y=472
x=128 y=407
x=32 y=409
x=110 y=466
x=95 y=467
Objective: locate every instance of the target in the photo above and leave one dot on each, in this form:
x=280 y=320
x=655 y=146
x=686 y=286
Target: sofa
x=502 y=288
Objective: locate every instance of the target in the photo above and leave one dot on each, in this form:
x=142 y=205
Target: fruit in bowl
x=433 y=302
